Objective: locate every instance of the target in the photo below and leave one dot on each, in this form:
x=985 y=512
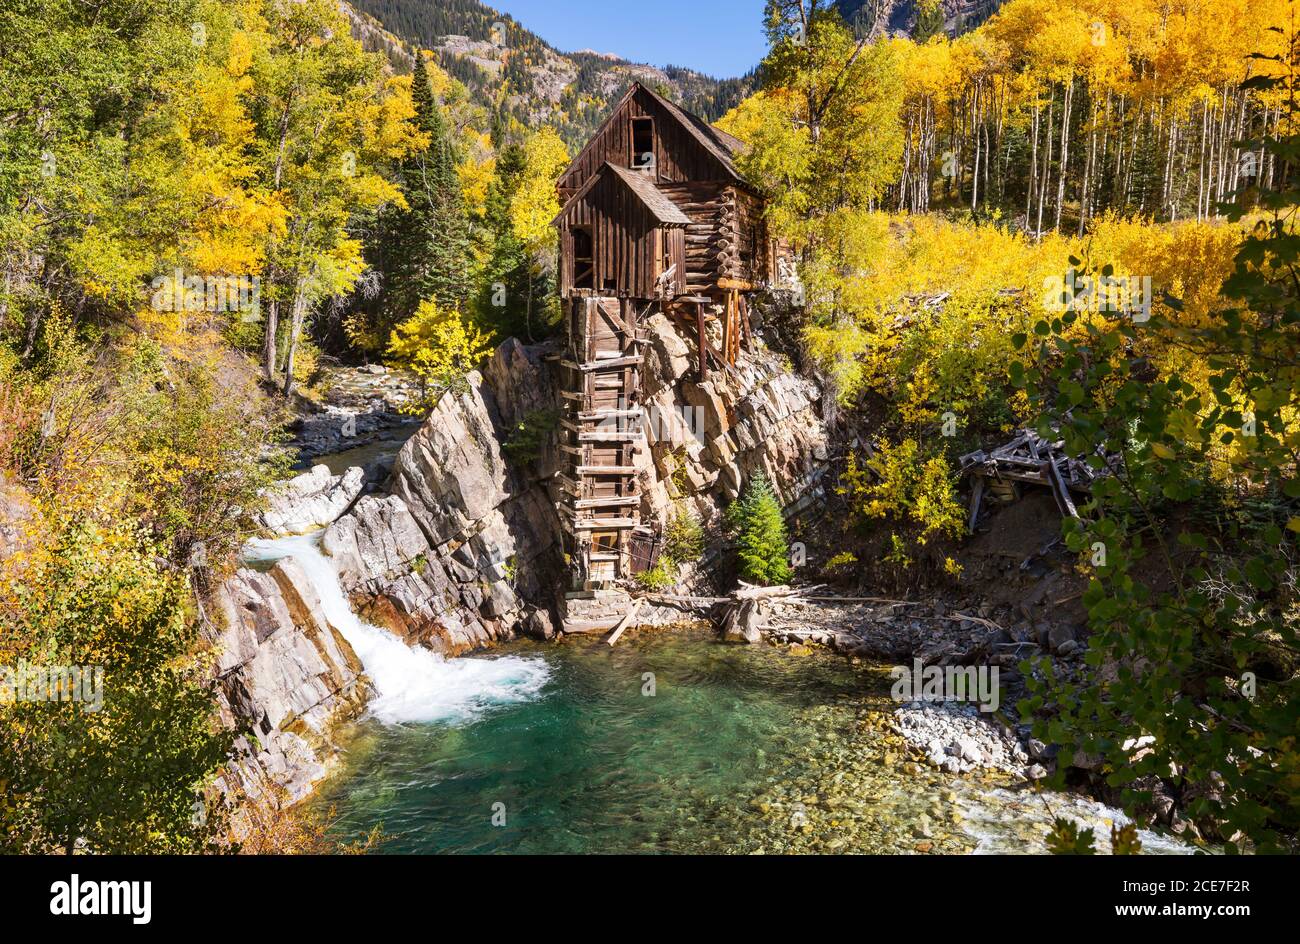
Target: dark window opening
x=643 y=142
x=584 y=264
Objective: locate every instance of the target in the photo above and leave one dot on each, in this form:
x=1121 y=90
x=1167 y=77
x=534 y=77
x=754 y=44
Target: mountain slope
x=518 y=75
x=898 y=17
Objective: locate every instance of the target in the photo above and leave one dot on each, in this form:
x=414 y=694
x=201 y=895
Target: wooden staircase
x=601 y=433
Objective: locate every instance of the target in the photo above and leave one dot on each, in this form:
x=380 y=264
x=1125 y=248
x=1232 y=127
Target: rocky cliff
x=284 y=671
x=462 y=546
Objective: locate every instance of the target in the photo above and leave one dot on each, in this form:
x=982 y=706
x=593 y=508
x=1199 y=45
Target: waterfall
x=413 y=683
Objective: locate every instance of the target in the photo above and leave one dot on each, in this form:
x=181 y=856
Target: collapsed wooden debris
x=1031 y=459
x=750 y=610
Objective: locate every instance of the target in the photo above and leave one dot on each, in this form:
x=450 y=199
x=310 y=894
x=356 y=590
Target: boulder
x=1058 y=635
x=284 y=668
x=744 y=622
x=539 y=625
x=311 y=500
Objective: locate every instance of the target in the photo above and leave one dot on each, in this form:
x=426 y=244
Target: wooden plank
x=703 y=341
x=612 y=436
x=590 y=366
x=976 y=495
x=744 y=320
x=631 y=614
x=1060 y=492
x=605 y=524
x=615 y=502
x=595 y=416
x=607 y=470
x=585 y=627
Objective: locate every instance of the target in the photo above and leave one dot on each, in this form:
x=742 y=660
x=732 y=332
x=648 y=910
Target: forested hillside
x=524 y=81
x=1078 y=217
x=917 y=19
x=1112 y=264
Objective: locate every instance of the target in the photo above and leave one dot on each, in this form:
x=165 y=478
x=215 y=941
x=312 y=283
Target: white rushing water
x=413 y=683
x=1008 y=823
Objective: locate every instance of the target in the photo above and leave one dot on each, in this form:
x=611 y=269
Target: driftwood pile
x=1028 y=458
x=750 y=610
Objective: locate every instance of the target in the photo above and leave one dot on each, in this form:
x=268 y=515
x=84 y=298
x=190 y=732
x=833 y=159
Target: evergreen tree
x=434 y=231
x=504 y=287
x=762 y=549
x=929 y=21
x=422 y=252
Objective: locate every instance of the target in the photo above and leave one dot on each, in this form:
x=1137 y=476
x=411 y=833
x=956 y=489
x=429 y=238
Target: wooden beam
x=631 y=614
x=583 y=627
x=611 y=436
x=704 y=344
x=612 y=502
x=976 y=495
x=739 y=284
x=607 y=470
x=744 y=320
x=605 y=524
x=590 y=366
x=595 y=416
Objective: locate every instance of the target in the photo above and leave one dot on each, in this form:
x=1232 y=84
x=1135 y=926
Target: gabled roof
x=719 y=144
x=652 y=198
x=656 y=201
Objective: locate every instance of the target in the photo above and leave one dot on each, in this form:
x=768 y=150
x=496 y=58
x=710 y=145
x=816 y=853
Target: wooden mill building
x=655 y=218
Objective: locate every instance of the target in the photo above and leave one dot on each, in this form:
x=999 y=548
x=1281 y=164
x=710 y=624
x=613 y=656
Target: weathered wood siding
x=702 y=202
x=627 y=243
x=622 y=234
x=679 y=157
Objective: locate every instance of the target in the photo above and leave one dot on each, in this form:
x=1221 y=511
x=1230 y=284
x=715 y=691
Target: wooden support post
x=732 y=328
x=704 y=344
x=976 y=494
x=744 y=321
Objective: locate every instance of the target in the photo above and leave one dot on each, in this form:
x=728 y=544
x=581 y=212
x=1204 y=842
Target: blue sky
x=723 y=38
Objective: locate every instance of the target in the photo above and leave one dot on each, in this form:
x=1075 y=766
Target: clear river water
x=670 y=742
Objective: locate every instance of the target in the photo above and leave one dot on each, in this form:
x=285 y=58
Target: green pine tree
x=436 y=233
x=929 y=21
x=424 y=251
x=504 y=286
x=762 y=548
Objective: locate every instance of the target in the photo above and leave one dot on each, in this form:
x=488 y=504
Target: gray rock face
x=465 y=547
x=283 y=668
x=713 y=436
x=311 y=500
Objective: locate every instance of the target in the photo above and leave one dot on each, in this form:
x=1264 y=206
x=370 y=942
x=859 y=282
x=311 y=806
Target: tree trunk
x=295 y=329
x=1065 y=148
x=268 y=345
